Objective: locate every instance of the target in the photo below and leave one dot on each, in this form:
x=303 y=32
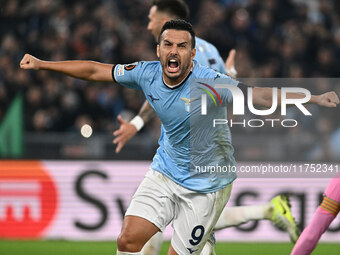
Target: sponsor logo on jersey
x=152 y=98
x=191 y=250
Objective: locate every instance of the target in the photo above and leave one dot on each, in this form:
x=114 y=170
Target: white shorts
x=160 y=200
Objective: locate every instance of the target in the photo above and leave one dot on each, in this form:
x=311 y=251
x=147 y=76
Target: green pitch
x=109 y=248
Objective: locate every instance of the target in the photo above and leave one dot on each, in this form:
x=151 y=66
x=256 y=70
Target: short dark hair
x=179 y=24
x=176 y=8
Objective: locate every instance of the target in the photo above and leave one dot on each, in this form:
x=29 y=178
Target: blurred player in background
x=323 y=217
x=278 y=209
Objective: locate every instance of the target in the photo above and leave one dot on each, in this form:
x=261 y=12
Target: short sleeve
x=128 y=75
x=227 y=93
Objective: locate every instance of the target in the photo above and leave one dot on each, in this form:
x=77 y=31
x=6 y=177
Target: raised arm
x=263 y=97
x=85 y=70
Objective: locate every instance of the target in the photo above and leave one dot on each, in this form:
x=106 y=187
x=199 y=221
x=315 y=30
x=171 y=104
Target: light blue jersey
x=183 y=144
x=207 y=55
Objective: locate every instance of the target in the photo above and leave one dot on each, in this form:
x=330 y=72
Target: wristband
x=138 y=122
x=232 y=72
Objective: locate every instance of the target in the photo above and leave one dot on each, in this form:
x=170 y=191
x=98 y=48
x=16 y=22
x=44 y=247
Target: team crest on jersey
x=187 y=102
x=120 y=70
x=129 y=67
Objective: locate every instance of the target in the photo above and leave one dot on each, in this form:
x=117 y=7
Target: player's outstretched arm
x=263 y=97
x=328 y=99
x=128 y=129
x=85 y=70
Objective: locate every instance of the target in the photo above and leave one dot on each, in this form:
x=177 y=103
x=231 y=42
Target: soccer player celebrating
x=323 y=217
x=278 y=209
x=171 y=191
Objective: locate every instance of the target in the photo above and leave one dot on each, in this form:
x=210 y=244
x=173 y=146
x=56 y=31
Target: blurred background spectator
x=273 y=39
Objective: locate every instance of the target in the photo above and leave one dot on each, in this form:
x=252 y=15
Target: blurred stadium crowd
x=273 y=39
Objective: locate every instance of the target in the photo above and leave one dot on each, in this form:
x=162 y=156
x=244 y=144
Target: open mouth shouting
x=173 y=65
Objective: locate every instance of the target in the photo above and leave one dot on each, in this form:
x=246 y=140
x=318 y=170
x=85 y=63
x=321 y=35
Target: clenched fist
x=328 y=99
x=30 y=62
